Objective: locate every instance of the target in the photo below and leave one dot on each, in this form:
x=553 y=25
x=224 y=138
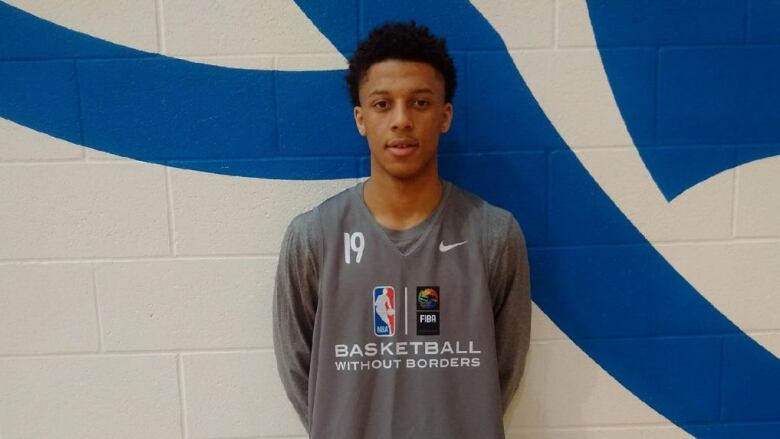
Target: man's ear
x=361 y=126
x=448 y=109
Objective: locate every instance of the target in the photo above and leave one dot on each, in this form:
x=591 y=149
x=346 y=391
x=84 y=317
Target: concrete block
x=606 y=432
x=131 y=23
x=186 y=304
x=762 y=22
x=523 y=23
x=19 y=143
x=757 y=382
x=237 y=394
x=596 y=223
x=703 y=211
x=83 y=210
x=47 y=308
x=542 y=328
x=574 y=27
x=217 y=214
x=297 y=63
x=96 y=155
x=90 y=397
x=23 y=35
x=501 y=113
x=162 y=109
x=626 y=291
x=771 y=341
x=462 y=26
x=743 y=429
x=338 y=22
x=718 y=95
x=665 y=364
x=302 y=100
x=239 y=27
x=577 y=96
x=516 y=182
x=252 y=62
x=739 y=278
x=663 y=22
x=562 y=387
x=676 y=169
x=632 y=78
x=758 y=200
x=41 y=95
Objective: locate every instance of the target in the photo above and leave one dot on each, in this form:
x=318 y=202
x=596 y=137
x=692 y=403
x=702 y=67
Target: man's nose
x=401 y=118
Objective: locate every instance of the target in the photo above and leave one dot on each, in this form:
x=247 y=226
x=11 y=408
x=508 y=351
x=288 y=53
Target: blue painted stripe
x=709 y=87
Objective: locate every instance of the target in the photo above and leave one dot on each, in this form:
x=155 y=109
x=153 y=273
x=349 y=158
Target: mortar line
x=275 y=255
x=182 y=395
x=101 y=341
x=163 y=258
x=719 y=398
x=594 y=427
x=161 y=47
x=169 y=208
x=79 y=110
x=275 y=106
x=139 y=353
x=656 y=89
x=556 y=23
x=734 y=201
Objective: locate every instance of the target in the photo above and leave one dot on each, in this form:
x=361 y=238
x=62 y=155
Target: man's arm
x=294 y=308
x=511 y=289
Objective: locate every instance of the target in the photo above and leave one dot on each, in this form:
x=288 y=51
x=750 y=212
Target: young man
x=402 y=305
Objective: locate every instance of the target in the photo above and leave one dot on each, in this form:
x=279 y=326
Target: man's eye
x=381 y=105
x=421 y=103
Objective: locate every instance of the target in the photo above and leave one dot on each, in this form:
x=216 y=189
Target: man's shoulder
x=304 y=223
x=338 y=201
x=305 y=229
x=307 y=226
x=491 y=214
x=498 y=225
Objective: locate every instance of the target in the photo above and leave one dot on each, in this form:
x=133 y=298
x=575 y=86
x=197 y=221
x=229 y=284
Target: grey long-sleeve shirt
x=307 y=244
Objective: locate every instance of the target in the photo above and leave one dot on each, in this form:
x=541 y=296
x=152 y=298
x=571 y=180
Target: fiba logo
x=428 y=306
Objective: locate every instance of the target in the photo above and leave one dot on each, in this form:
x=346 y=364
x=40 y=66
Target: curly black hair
x=406 y=41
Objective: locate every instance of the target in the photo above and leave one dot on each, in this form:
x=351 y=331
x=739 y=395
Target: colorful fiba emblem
x=384 y=311
x=428 y=317
x=428 y=298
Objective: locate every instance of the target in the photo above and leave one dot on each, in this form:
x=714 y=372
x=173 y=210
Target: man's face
x=402 y=113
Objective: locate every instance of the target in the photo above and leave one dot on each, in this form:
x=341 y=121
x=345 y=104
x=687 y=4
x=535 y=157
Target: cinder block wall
x=636 y=142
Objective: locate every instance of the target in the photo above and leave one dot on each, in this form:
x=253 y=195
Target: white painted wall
x=135 y=298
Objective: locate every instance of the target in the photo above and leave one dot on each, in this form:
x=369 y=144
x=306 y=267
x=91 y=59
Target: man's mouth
x=402 y=147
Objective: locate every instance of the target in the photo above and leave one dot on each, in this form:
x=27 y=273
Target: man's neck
x=402 y=204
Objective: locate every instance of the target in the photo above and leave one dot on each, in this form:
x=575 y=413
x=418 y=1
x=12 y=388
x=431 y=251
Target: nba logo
x=384 y=311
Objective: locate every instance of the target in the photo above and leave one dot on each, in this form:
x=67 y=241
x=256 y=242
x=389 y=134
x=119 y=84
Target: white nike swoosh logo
x=445 y=248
